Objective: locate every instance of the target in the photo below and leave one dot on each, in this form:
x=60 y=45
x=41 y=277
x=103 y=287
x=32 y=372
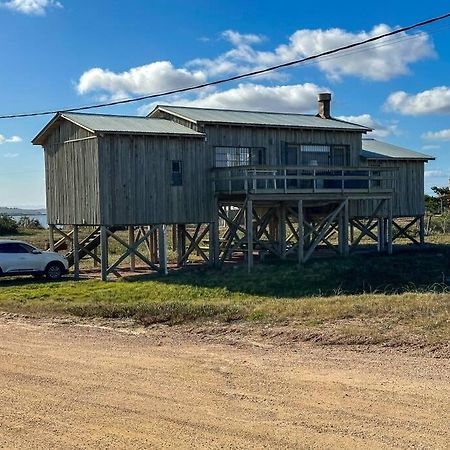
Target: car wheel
x=54 y=271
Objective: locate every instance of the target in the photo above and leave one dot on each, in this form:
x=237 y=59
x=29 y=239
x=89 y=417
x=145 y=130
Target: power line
x=235 y=77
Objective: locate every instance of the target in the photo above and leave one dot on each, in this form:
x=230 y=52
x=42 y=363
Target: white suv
x=20 y=258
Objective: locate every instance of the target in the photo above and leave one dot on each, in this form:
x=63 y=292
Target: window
x=316 y=155
x=12 y=247
x=340 y=155
x=177 y=173
x=240 y=156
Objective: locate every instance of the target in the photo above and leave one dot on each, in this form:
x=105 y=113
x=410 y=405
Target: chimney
x=324 y=100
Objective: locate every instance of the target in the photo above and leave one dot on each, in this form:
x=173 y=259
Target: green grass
x=376 y=299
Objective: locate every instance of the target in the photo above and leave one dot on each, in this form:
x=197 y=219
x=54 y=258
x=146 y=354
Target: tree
x=7 y=225
x=443 y=194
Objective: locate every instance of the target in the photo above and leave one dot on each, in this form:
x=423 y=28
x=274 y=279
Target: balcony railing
x=299 y=179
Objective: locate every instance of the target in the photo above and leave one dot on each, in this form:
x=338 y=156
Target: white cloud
x=257 y=97
x=10 y=155
x=152 y=78
x=379 y=129
x=431 y=101
x=442 y=135
x=31 y=7
x=430 y=147
x=238 y=39
x=435 y=174
x=11 y=140
x=377 y=61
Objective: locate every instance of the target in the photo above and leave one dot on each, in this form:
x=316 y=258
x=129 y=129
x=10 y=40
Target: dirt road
x=85 y=386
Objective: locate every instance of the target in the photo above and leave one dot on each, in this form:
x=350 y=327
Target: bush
x=28 y=222
x=8 y=225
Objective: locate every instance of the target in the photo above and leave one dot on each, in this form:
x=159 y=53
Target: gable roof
x=373 y=149
x=102 y=123
x=257 y=118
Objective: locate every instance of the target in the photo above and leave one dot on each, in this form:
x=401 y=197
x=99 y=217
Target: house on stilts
x=228 y=183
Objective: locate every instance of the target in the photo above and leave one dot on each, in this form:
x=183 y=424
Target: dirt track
x=78 y=386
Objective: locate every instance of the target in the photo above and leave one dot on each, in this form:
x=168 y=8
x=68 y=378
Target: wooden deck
x=318 y=181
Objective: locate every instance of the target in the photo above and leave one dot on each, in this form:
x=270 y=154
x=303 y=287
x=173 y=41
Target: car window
x=27 y=247
x=13 y=247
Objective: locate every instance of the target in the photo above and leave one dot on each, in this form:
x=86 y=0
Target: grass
x=378 y=299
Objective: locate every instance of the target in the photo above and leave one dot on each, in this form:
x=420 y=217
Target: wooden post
x=131 y=243
x=249 y=235
x=345 y=228
x=51 y=238
x=214 y=244
x=104 y=252
x=174 y=237
x=301 y=233
x=181 y=243
x=390 y=229
x=162 y=250
x=76 y=253
x=282 y=230
x=381 y=238
x=422 y=229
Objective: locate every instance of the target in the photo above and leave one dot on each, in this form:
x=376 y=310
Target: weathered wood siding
x=136 y=180
x=274 y=140
x=71 y=168
x=408 y=199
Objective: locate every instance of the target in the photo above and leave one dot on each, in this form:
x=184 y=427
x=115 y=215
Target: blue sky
x=58 y=54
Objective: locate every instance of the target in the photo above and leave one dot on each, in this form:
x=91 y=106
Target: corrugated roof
x=373 y=149
x=100 y=123
x=128 y=124
x=258 y=118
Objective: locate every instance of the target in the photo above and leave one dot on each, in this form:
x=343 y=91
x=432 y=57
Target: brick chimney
x=324 y=100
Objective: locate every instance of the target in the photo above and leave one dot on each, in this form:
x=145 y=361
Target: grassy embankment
x=372 y=299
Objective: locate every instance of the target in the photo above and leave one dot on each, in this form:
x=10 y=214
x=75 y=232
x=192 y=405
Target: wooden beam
x=301 y=234
x=104 y=252
x=163 y=250
x=282 y=231
x=422 y=230
x=249 y=217
x=131 y=244
x=133 y=249
x=76 y=253
x=390 y=229
x=329 y=220
x=51 y=238
x=214 y=245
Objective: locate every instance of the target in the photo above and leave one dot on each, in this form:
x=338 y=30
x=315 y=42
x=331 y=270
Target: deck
x=316 y=182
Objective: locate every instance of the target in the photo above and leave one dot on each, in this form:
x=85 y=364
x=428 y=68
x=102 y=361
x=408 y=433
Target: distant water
x=42 y=218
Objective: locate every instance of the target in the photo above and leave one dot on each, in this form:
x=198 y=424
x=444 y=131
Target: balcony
x=304 y=180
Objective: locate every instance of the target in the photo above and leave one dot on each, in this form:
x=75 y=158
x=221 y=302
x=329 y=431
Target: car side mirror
x=36 y=252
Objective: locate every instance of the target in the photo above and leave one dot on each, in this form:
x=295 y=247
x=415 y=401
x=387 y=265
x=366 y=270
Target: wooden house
x=283 y=184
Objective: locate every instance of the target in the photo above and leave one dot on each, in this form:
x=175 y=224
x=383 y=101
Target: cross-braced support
x=407 y=228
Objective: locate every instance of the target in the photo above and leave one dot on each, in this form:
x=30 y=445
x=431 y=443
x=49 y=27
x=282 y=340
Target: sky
x=68 y=53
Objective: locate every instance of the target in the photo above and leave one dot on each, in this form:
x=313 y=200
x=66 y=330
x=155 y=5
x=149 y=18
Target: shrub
x=8 y=225
x=28 y=222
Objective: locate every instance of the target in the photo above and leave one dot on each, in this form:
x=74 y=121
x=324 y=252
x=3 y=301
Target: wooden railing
x=299 y=179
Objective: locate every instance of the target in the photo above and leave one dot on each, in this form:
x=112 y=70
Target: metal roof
x=258 y=118
x=99 y=123
x=373 y=149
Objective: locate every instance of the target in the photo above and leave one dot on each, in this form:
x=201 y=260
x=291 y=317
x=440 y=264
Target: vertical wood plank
x=163 y=250
x=104 y=252
x=131 y=243
x=249 y=227
x=76 y=253
x=301 y=233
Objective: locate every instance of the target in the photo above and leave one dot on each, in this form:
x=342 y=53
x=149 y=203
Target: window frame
x=176 y=178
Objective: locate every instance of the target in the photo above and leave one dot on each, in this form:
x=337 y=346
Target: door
x=291 y=158
x=17 y=257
